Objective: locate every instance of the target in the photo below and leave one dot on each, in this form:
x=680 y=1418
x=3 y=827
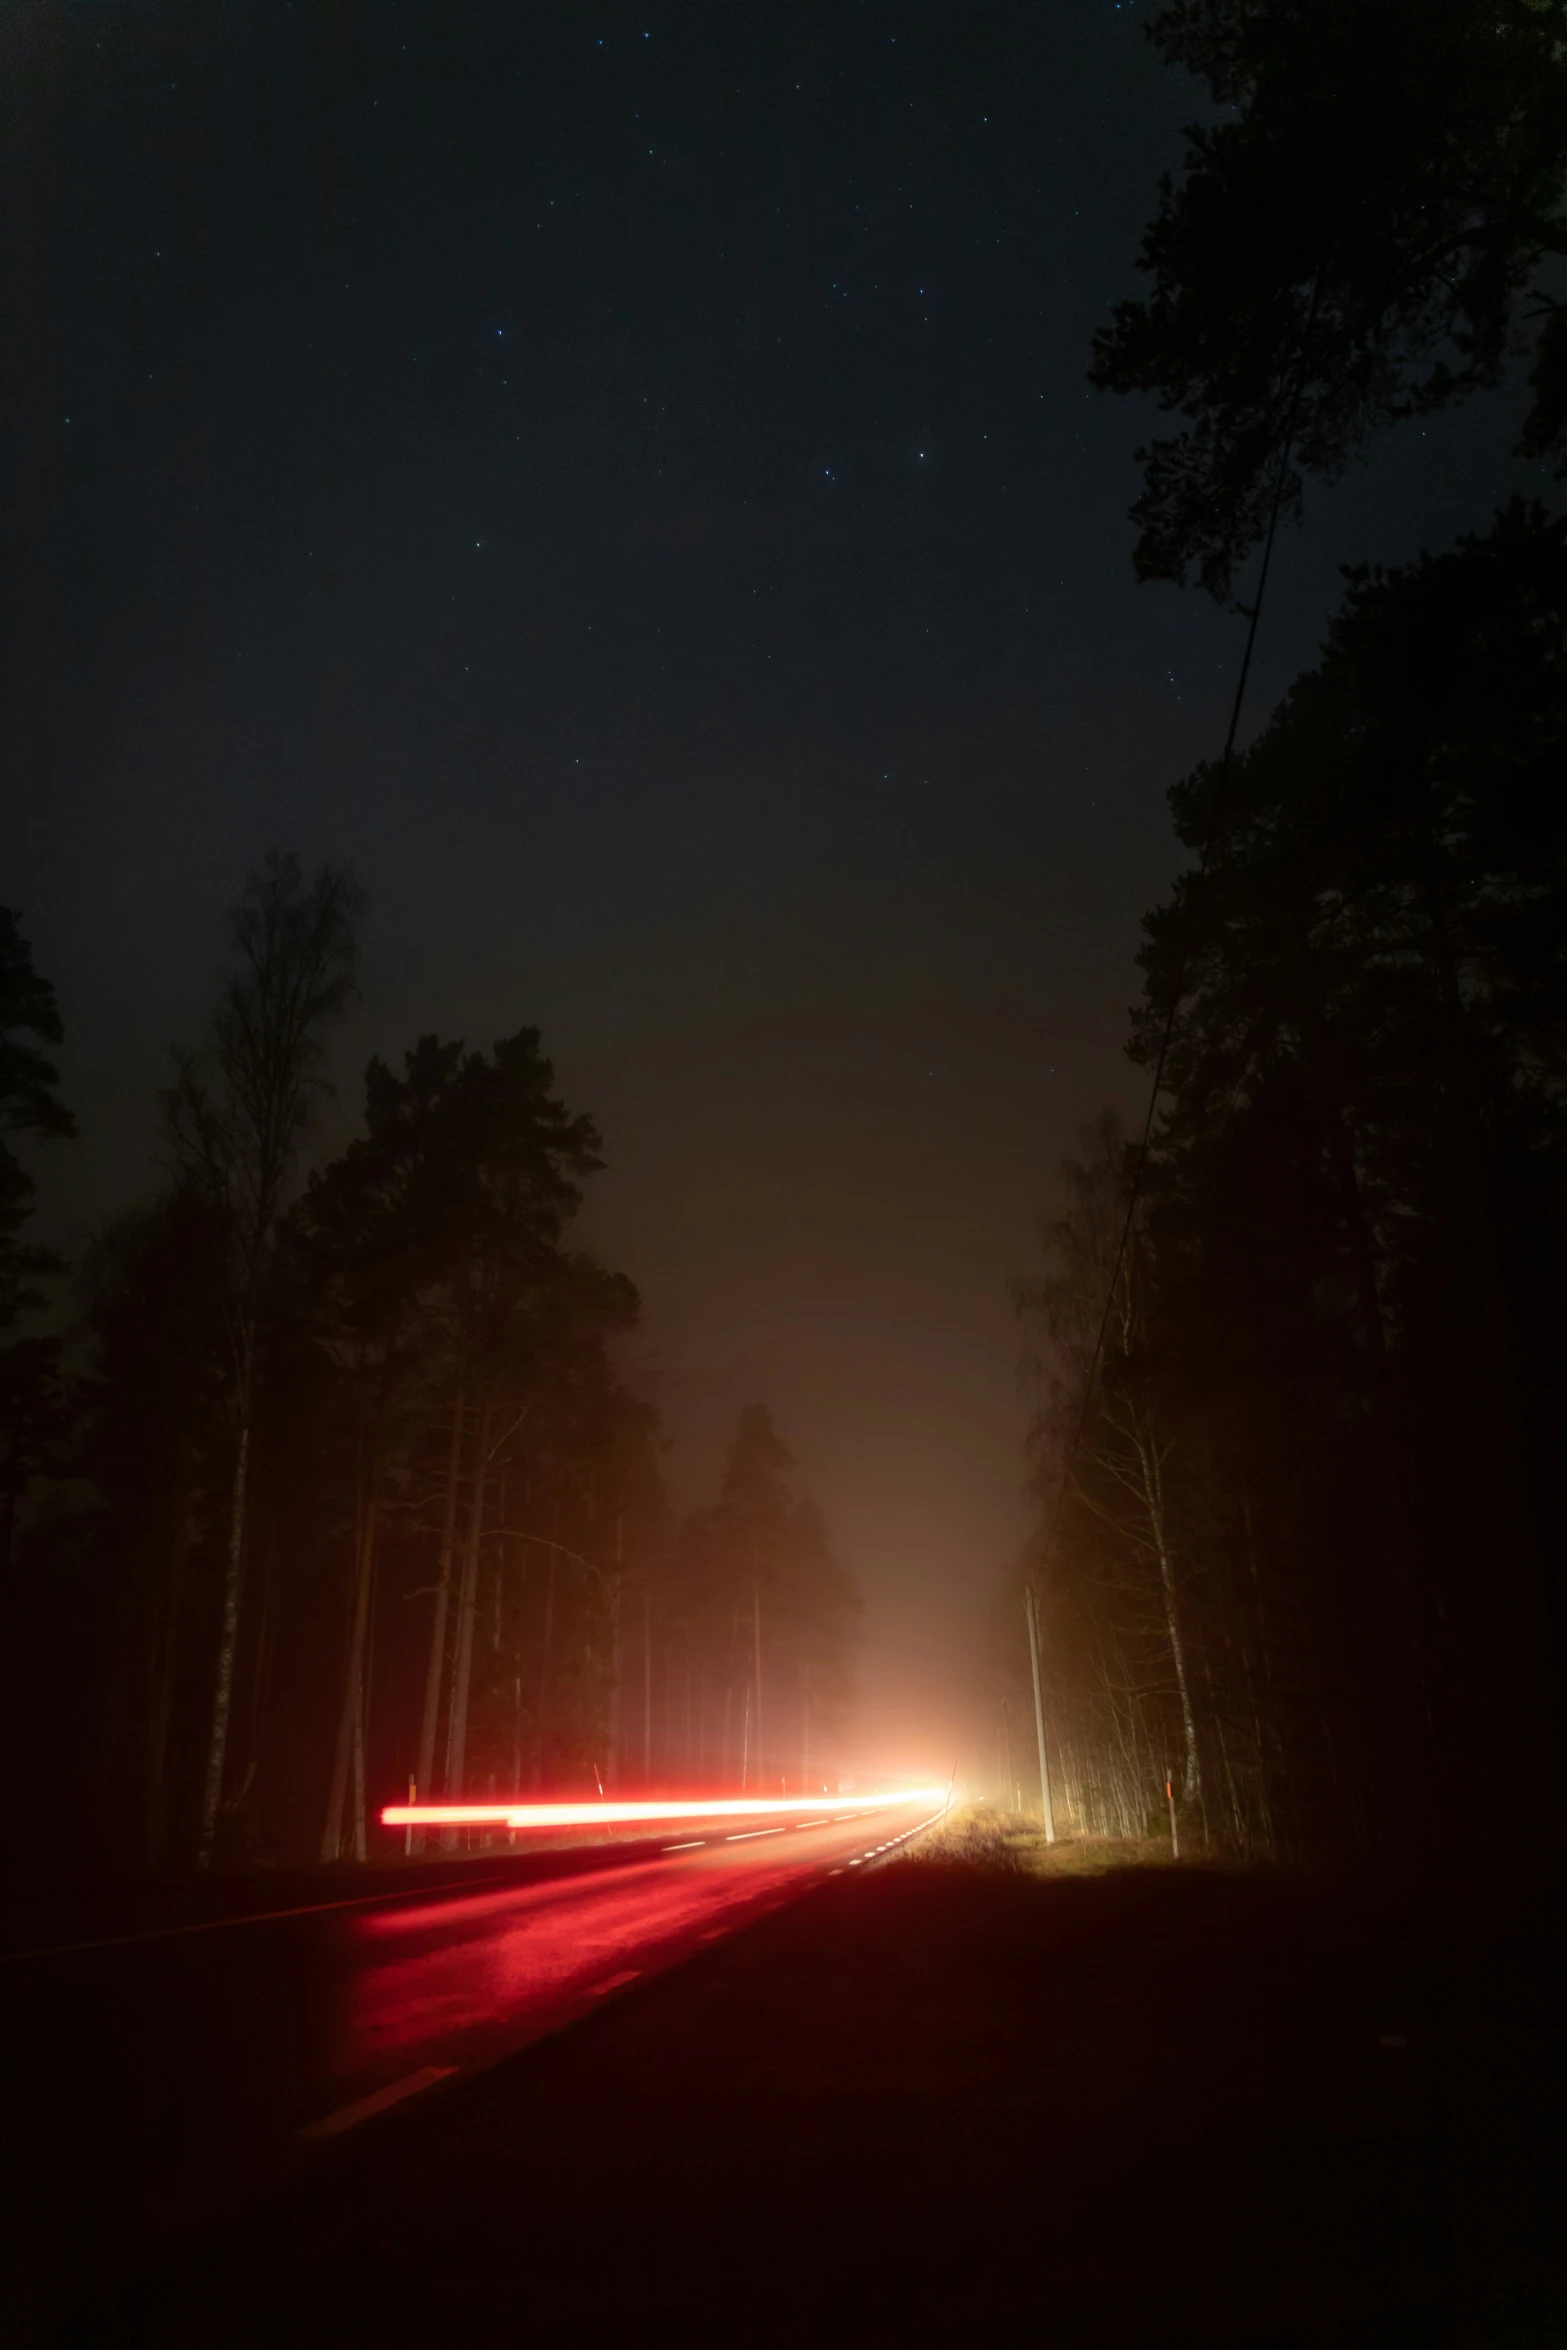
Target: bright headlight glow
x=596 y=1814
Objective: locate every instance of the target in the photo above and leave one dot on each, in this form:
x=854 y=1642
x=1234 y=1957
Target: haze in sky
x=625 y=480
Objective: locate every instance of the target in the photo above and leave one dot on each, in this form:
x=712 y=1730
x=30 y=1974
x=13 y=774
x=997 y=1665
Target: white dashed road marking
x=348 y=2117
x=616 y=1982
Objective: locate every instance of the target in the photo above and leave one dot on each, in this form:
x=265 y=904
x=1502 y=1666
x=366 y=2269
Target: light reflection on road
x=467 y=1977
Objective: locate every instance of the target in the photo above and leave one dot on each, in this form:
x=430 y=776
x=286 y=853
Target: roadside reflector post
x=1175 y=1834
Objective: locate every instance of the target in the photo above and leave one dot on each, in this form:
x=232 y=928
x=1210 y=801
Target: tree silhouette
x=236 y=1115
x=1365 y=234
x=32 y=1410
x=1337 y=1331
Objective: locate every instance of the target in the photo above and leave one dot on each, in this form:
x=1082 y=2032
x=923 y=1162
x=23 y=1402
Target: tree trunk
x=350 y=1709
x=546 y=1646
x=228 y=1638
x=1191 y=1791
x=756 y=1628
x=360 y=1854
x=647 y=1690
x=1409 y=1642
x=617 y=1699
x=158 y=1738
x=1031 y=1612
x=1153 y=1489
x=435 y=1673
x=261 y=1643
x=457 y=1729
x=165 y=1643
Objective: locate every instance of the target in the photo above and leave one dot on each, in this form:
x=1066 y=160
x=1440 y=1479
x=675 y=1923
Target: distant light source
x=594 y=1814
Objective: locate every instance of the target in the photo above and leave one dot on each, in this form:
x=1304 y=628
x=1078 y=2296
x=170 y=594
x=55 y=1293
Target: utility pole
x=1031 y=1612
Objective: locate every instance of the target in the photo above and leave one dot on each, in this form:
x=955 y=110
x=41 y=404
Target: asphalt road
x=948 y=2102
x=164 y=2075
x=943 y=2101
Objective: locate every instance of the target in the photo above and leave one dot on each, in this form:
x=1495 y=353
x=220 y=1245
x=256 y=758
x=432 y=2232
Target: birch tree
x=236 y=1115
x=371 y=1228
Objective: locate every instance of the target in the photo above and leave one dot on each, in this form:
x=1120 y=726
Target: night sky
x=626 y=481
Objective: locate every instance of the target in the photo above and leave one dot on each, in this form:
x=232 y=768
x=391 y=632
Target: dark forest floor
x=950 y=2101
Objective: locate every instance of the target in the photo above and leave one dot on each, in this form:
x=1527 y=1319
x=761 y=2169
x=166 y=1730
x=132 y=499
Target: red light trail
x=595 y=1813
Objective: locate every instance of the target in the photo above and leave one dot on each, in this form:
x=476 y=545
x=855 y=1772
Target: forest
x=1294 y=1347
x=324 y=1477
x=327 y=1480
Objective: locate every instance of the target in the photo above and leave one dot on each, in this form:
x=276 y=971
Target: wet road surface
x=950 y=2103
x=159 y=2078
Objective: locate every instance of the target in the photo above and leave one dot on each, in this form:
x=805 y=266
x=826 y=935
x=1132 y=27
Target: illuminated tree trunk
x=236 y=1131
x=457 y=1729
x=165 y=1649
x=756 y=1627
x=360 y=1853
x=1031 y=1612
x=647 y=1689
x=349 y=1724
x=228 y=1637
x=546 y=1647
x=435 y=1672
x=1153 y=1489
x=617 y=1699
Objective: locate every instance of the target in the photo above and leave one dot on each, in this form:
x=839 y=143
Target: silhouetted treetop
x=28 y=1103
x=755 y=1490
x=1389 y=869
x=1361 y=237
x=29 y=1018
